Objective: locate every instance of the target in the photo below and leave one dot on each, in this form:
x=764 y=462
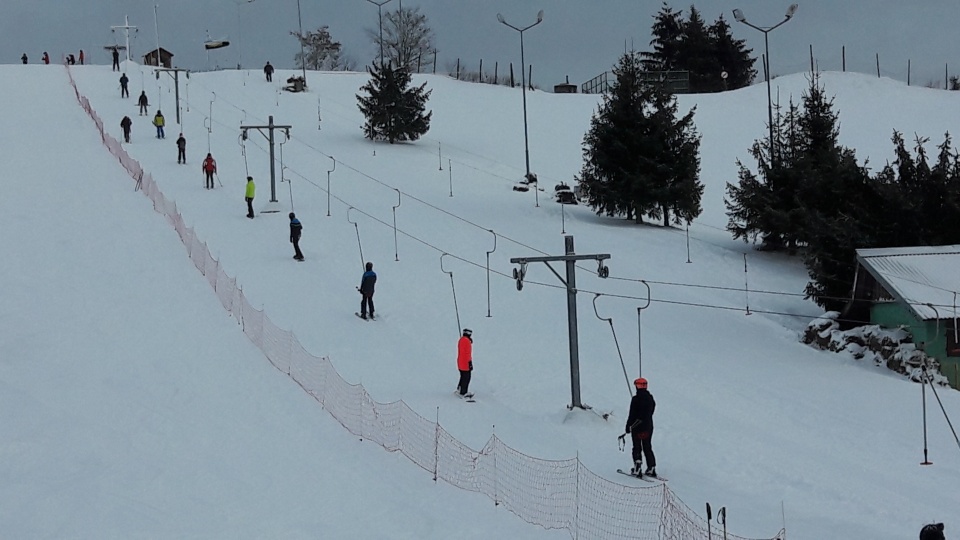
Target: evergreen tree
x=732 y=56
x=696 y=54
x=639 y=159
x=394 y=111
x=321 y=52
x=667 y=32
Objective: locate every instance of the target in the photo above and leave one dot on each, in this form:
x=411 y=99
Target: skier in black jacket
x=367 y=283
x=296 y=228
x=640 y=426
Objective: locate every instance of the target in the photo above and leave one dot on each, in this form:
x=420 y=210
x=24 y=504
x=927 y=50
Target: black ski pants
x=366 y=301
x=642 y=447
x=464 y=382
x=249 y=207
x=209 y=179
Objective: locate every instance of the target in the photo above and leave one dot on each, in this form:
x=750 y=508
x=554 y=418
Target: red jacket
x=465 y=354
x=209 y=165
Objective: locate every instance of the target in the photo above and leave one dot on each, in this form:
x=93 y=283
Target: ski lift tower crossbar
x=569 y=258
x=126 y=30
x=270 y=127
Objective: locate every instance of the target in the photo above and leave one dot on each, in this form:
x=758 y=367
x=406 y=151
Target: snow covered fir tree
x=394 y=110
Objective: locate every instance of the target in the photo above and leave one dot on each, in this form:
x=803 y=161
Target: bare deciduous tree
x=408 y=40
x=321 y=51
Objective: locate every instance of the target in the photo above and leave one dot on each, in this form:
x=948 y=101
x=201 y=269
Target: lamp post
x=523 y=79
x=240 y=32
x=380 y=19
x=738 y=15
x=303 y=57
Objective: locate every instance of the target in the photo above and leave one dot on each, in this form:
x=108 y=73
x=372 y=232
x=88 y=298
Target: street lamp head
x=540 y=16
x=738 y=16
x=791 y=10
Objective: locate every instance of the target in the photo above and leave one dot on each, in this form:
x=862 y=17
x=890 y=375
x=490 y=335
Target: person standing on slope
x=640 y=426
x=81 y=57
x=268 y=71
x=367 y=283
x=124 y=91
x=296 y=228
x=125 y=125
x=159 y=122
x=209 y=169
x=250 y=194
x=46 y=57
x=24 y=58
x=116 y=60
x=181 y=149
x=143 y=102
x=465 y=362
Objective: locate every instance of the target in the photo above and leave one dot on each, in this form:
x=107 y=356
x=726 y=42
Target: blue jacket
x=368 y=281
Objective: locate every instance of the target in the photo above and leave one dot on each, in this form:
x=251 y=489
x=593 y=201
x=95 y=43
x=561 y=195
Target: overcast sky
x=579 y=39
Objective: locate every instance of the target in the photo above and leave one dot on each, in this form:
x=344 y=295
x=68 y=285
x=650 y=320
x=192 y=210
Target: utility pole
x=570 y=259
x=126 y=28
x=176 y=80
x=270 y=127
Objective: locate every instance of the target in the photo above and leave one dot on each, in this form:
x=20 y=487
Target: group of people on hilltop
x=70 y=59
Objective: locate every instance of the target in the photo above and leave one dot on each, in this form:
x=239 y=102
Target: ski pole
x=218 y=178
x=709 y=517
x=722 y=519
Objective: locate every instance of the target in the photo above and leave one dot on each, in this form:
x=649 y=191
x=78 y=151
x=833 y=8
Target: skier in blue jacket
x=367 y=283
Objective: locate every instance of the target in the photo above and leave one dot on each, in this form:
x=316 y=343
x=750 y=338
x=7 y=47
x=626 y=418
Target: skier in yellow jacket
x=251 y=192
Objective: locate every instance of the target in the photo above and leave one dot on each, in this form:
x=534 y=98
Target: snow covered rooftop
x=919 y=276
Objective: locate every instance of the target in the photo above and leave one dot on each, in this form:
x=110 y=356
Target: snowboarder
x=125 y=124
x=640 y=426
x=182 y=149
x=933 y=531
x=465 y=362
x=143 y=102
x=124 y=92
x=46 y=57
x=251 y=192
x=209 y=169
x=116 y=60
x=367 y=283
x=268 y=71
x=158 y=121
x=81 y=57
x=24 y=58
x=295 y=229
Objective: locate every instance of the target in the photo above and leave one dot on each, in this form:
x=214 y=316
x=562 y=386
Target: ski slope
x=136 y=407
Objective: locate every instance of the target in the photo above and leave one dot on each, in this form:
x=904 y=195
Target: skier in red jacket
x=465 y=362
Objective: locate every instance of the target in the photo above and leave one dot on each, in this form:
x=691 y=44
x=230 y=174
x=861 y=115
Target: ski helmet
x=640 y=383
x=467 y=332
x=292 y=215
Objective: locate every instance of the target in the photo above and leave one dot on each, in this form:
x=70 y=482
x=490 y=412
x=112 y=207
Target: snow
x=134 y=406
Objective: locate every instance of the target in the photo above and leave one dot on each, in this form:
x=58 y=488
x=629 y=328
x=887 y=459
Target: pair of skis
x=370 y=318
x=650 y=479
x=466 y=397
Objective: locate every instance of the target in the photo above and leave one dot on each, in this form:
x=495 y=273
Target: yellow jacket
x=158 y=120
x=251 y=189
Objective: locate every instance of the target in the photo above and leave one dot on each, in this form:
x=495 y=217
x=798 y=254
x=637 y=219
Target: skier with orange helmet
x=640 y=426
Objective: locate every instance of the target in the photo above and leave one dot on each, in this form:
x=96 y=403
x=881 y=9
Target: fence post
x=436 y=447
x=878 y=65
x=843 y=56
